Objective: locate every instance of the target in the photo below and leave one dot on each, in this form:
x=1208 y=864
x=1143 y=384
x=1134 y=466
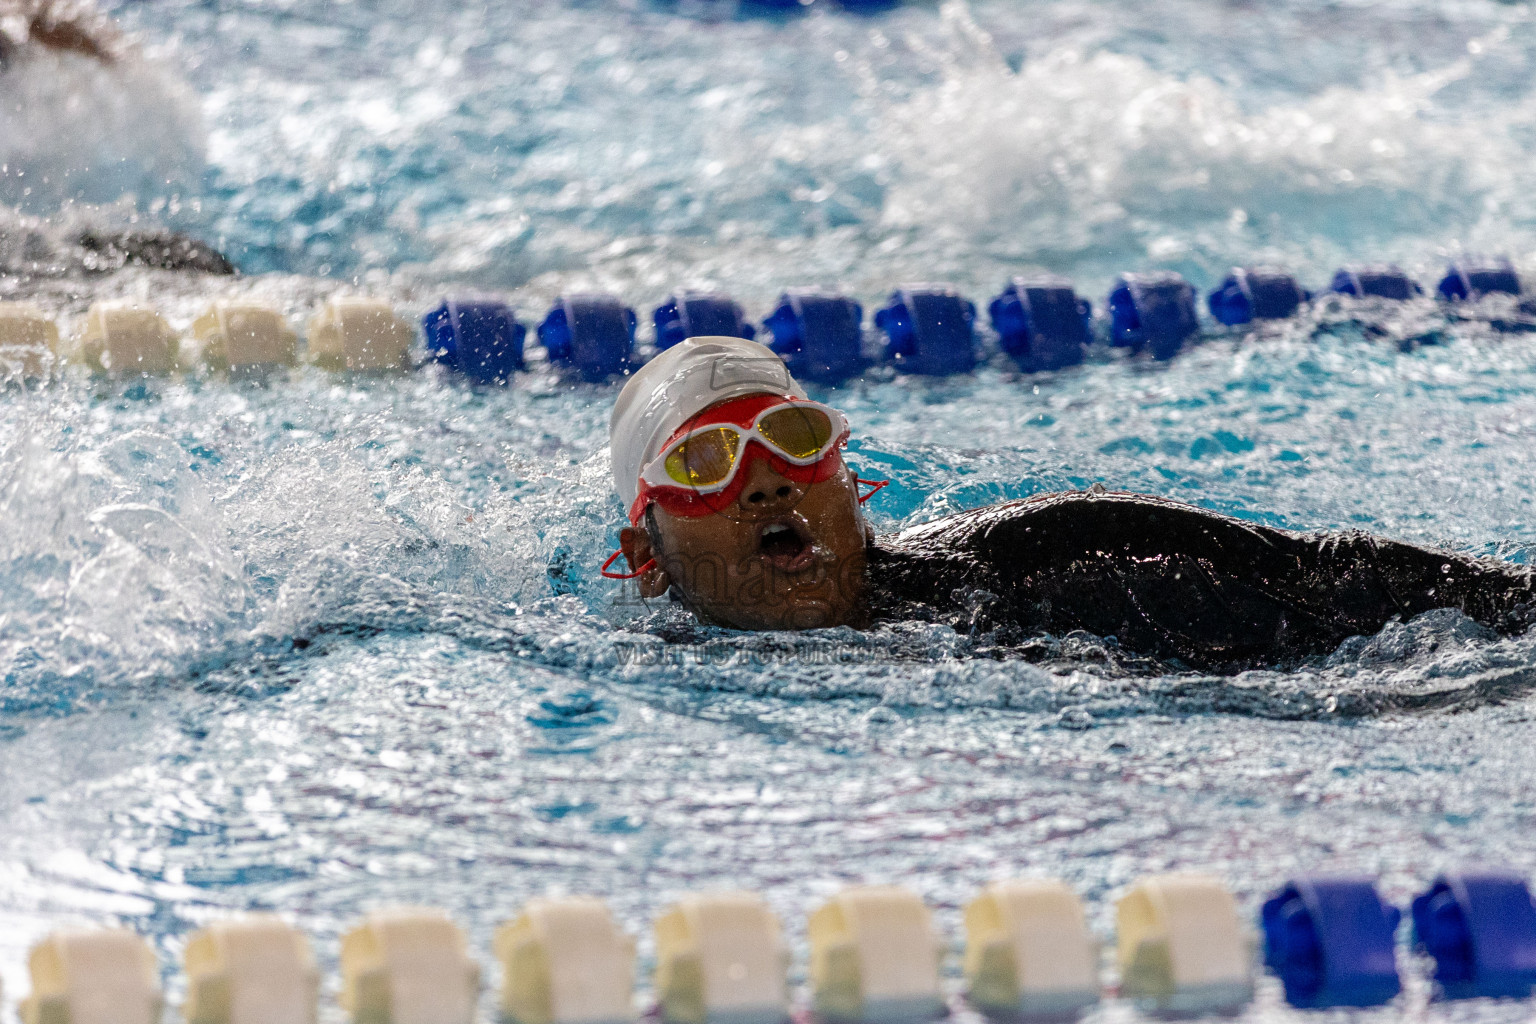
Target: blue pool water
x=328 y=643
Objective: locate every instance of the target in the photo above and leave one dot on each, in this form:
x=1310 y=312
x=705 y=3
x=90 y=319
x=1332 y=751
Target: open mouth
x=785 y=545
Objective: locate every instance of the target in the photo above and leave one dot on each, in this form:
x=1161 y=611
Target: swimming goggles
x=705 y=458
x=698 y=470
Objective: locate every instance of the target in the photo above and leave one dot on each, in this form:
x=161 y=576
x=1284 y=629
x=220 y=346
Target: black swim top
x=1176 y=582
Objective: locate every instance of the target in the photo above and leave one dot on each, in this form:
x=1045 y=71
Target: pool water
x=319 y=644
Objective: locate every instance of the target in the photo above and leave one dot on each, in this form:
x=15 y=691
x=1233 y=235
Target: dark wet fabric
x=163 y=250
x=1176 y=582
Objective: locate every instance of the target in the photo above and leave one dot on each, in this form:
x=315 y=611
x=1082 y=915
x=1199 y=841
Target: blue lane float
x=699 y=315
x=1331 y=942
x=1042 y=323
x=480 y=338
x=929 y=329
x=1256 y=293
x=860 y=6
x=819 y=334
x=1153 y=311
x=1480 y=927
x=594 y=334
x=1472 y=279
x=1382 y=282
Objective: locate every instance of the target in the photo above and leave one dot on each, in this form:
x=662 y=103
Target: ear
x=636 y=545
x=852 y=480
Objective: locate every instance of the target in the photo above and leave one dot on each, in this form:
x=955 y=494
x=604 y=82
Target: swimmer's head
x=735 y=486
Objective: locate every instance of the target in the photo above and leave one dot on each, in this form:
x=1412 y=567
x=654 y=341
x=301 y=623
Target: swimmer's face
x=783 y=555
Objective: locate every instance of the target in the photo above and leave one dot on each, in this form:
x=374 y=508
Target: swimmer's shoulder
x=1093 y=512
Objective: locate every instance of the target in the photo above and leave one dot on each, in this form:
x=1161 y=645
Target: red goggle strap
x=875 y=486
x=647 y=567
x=638 y=509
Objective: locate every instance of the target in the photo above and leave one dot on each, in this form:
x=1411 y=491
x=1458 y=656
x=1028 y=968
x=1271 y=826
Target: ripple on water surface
x=328 y=643
x=325 y=643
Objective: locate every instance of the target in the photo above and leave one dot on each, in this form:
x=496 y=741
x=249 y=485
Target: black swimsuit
x=1177 y=582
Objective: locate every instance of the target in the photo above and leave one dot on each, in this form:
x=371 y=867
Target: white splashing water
x=485 y=149
x=1097 y=159
x=73 y=128
x=330 y=643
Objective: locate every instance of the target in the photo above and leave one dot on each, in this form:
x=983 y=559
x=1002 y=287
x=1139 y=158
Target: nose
x=766 y=490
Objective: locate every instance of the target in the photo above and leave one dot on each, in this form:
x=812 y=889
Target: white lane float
x=566 y=961
x=252 y=970
x=125 y=338
x=408 y=965
x=1028 y=951
x=360 y=334
x=720 y=959
x=1182 y=946
x=28 y=340
x=875 y=957
x=93 y=977
x=237 y=336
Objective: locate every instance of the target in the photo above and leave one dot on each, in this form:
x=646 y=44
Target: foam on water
x=1093 y=161
x=948 y=139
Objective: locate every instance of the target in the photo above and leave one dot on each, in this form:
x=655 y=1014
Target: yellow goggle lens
x=703 y=459
x=799 y=432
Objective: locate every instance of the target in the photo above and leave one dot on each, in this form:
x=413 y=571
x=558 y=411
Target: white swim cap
x=686 y=379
